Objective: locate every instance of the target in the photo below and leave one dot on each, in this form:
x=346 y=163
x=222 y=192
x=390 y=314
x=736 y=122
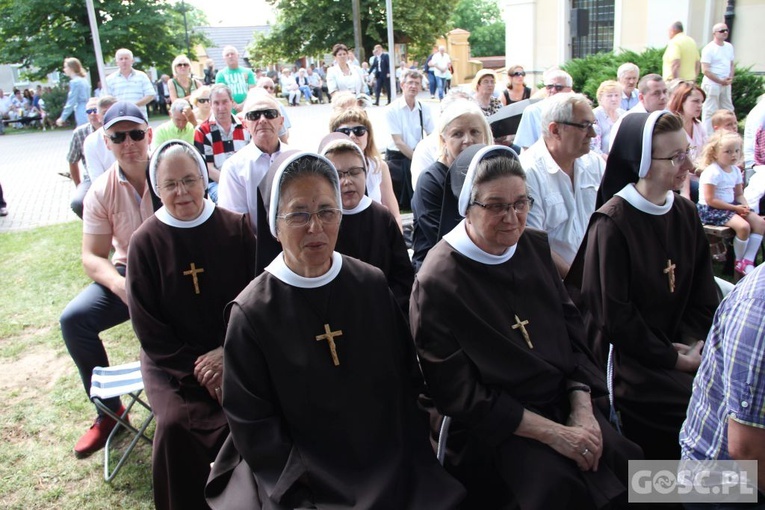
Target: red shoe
x=744 y=267
x=95 y=438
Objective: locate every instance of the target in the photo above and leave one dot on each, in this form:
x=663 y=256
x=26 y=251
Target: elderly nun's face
x=181 y=186
x=353 y=179
x=496 y=226
x=308 y=248
x=462 y=132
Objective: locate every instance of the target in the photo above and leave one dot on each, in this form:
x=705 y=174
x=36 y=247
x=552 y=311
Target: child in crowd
x=724 y=119
x=722 y=201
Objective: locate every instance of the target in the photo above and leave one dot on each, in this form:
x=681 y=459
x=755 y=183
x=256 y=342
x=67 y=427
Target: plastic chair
x=118 y=381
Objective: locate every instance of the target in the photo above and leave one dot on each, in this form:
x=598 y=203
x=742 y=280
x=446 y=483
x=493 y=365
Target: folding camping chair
x=118 y=381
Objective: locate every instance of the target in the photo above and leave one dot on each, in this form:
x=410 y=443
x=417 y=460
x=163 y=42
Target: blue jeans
x=432 y=82
x=440 y=82
x=94 y=310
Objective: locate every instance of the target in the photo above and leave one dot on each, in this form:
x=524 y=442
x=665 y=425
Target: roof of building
x=238 y=37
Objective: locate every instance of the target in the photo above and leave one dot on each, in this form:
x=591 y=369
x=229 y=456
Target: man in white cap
x=114 y=208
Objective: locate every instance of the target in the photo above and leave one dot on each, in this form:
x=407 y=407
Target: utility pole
x=355 y=7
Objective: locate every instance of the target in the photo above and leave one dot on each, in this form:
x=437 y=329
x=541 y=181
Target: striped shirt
x=132 y=88
x=76 y=153
x=216 y=146
x=730 y=382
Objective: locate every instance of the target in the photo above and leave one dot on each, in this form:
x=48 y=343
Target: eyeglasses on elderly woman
x=521 y=206
x=327 y=216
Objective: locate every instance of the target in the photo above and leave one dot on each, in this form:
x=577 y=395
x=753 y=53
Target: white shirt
x=98 y=156
x=560 y=209
x=754 y=121
x=405 y=122
x=530 y=127
x=425 y=154
x=718 y=57
x=442 y=61
x=724 y=183
x=755 y=190
x=239 y=179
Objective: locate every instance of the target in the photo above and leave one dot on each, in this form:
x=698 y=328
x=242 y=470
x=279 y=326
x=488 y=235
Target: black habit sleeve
x=426 y=205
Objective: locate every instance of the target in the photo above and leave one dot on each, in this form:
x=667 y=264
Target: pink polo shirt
x=112 y=206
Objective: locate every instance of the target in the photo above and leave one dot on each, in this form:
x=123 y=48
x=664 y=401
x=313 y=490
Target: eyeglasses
x=351 y=172
x=329 y=216
x=519 y=73
x=187 y=183
x=723 y=31
x=521 y=206
x=91 y=111
x=584 y=126
x=182 y=64
x=677 y=159
x=135 y=134
x=357 y=131
x=203 y=100
x=254 y=115
x=555 y=86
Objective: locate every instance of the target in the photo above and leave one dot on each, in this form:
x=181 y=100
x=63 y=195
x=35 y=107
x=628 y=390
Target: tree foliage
x=483 y=20
x=39 y=34
x=589 y=72
x=312 y=27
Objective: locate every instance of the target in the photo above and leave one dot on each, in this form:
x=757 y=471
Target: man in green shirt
x=239 y=80
x=179 y=127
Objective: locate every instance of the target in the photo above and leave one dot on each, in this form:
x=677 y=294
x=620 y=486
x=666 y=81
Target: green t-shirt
x=239 y=80
x=168 y=131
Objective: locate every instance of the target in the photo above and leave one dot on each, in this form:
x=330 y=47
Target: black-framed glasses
x=91 y=111
x=677 y=159
x=327 y=216
x=358 y=131
x=556 y=86
x=187 y=183
x=203 y=100
x=584 y=126
x=351 y=172
x=254 y=115
x=521 y=206
x=519 y=73
x=135 y=134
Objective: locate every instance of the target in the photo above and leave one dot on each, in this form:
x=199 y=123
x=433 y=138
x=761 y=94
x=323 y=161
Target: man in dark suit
x=381 y=70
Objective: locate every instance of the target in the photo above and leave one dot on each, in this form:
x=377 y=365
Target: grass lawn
x=45 y=408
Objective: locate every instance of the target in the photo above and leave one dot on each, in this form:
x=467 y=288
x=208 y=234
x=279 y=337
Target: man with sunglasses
x=530 y=127
x=719 y=69
x=219 y=137
x=97 y=154
x=241 y=174
x=114 y=208
x=681 y=58
x=268 y=85
x=564 y=174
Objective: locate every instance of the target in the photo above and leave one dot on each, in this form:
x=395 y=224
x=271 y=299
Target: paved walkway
x=37 y=195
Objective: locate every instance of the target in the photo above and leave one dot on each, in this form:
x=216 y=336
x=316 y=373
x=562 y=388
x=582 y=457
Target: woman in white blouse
x=343 y=75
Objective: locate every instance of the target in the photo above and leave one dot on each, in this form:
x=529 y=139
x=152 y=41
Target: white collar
x=363 y=205
x=279 y=269
x=165 y=217
x=459 y=240
x=639 y=202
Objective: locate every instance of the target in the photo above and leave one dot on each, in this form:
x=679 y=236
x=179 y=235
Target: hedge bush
x=589 y=72
x=55 y=99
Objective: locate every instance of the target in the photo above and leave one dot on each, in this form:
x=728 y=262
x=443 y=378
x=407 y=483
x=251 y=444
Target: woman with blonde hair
x=200 y=100
x=79 y=93
x=182 y=84
x=606 y=114
x=516 y=89
x=355 y=123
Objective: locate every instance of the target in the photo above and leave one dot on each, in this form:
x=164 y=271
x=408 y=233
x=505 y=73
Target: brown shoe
x=95 y=438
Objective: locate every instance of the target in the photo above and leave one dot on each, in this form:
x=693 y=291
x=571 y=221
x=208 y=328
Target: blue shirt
x=629 y=102
x=76 y=100
x=730 y=382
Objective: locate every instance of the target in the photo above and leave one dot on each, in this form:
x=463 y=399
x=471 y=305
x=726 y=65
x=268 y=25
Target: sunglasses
x=203 y=100
x=135 y=134
x=723 y=31
x=356 y=130
x=270 y=114
x=182 y=64
x=518 y=73
x=91 y=111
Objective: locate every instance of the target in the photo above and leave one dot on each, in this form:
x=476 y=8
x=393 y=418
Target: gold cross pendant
x=194 y=272
x=522 y=324
x=329 y=336
x=670 y=272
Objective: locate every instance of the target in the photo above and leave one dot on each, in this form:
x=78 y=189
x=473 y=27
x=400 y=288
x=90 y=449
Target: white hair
x=626 y=68
x=459 y=108
x=560 y=108
x=178 y=106
x=553 y=74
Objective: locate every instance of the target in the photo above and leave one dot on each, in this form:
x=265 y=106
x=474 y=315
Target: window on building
x=601 y=28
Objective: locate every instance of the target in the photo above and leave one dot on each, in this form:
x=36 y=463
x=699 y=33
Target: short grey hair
x=220 y=87
x=494 y=168
x=179 y=105
x=560 y=108
x=227 y=48
x=554 y=74
x=626 y=68
x=411 y=73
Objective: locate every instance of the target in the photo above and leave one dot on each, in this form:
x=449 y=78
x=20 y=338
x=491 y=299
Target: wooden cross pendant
x=194 y=272
x=329 y=336
x=670 y=272
x=522 y=324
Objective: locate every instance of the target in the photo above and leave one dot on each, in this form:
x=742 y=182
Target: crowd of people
x=554 y=311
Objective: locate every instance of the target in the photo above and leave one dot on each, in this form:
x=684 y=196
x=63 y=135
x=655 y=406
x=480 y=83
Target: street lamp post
x=185 y=27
